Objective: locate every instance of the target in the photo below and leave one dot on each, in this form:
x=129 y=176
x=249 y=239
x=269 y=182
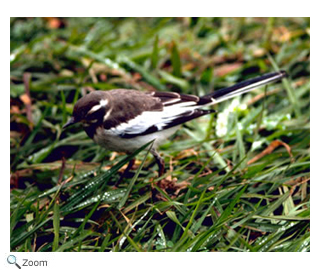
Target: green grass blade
x=56 y=226
x=155 y=53
x=73 y=244
x=133 y=180
x=175 y=60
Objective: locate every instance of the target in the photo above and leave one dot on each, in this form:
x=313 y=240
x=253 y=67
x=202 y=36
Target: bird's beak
x=70 y=122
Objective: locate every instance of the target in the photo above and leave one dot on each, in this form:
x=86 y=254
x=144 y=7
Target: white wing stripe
x=159 y=119
x=171 y=101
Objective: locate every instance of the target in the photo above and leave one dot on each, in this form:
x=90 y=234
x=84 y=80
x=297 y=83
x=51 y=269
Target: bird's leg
x=129 y=166
x=168 y=185
x=159 y=161
x=126 y=171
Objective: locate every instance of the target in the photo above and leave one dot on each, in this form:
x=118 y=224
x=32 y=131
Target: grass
x=244 y=172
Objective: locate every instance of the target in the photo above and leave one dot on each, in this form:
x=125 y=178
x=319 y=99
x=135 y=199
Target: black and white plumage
x=124 y=120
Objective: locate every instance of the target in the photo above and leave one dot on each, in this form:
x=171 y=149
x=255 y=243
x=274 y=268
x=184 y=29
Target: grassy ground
x=243 y=173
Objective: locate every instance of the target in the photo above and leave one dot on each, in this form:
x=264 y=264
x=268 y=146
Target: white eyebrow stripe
x=94 y=108
x=104 y=102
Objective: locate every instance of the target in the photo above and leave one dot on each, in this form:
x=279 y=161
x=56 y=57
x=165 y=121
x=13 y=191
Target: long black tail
x=245 y=86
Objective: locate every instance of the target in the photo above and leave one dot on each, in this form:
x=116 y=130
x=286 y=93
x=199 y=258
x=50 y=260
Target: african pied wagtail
x=124 y=120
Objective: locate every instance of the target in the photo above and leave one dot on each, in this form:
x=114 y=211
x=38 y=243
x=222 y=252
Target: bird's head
x=90 y=109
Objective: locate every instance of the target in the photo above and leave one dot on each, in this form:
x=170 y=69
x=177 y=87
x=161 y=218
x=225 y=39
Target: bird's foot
x=170 y=186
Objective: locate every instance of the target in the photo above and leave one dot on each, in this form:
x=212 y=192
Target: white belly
x=111 y=141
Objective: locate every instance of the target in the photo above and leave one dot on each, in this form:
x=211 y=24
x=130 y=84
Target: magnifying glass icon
x=13 y=260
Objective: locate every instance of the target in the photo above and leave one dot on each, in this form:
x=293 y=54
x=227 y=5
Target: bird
x=124 y=120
